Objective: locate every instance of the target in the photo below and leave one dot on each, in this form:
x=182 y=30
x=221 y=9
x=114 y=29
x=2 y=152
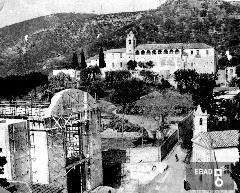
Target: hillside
x=207 y=21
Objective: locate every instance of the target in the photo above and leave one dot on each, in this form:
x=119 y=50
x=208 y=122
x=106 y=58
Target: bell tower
x=130 y=46
x=199 y=121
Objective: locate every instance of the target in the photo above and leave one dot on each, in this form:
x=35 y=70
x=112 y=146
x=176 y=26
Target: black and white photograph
x=119 y=96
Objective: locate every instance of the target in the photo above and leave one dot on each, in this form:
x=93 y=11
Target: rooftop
x=220 y=139
x=35 y=188
x=173 y=46
x=120 y=50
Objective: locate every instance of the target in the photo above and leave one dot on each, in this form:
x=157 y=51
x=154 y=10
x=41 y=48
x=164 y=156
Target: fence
x=22 y=108
x=167 y=146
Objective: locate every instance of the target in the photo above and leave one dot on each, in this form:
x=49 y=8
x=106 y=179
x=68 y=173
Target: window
x=129 y=41
x=191 y=52
x=165 y=52
x=201 y=121
x=120 y=55
x=137 y=52
x=191 y=64
x=0 y=150
x=197 y=52
x=142 y=52
x=91 y=115
x=207 y=52
x=231 y=71
x=113 y=65
x=159 y=51
x=121 y=64
x=177 y=51
x=171 y=52
x=32 y=146
x=148 y=52
x=154 y=52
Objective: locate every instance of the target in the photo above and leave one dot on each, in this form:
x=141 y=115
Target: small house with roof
x=213 y=146
x=167 y=58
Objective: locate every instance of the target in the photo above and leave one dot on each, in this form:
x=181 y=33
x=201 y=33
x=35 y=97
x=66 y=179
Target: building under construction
x=63 y=140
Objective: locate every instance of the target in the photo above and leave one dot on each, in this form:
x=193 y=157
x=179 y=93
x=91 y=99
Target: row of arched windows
x=154 y=52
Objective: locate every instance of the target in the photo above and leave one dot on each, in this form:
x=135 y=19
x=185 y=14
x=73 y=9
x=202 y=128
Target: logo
x=209 y=176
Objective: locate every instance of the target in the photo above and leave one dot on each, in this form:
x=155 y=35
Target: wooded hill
x=54 y=38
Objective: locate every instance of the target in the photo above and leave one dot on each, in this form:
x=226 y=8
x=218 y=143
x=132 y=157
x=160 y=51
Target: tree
x=95 y=88
x=75 y=63
x=60 y=82
x=102 y=63
x=94 y=72
x=235 y=60
x=223 y=62
x=127 y=92
x=83 y=63
x=131 y=65
x=114 y=77
x=161 y=105
x=3 y=182
x=142 y=65
x=149 y=64
x=146 y=65
x=186 y=80
x=164 y=104
x=199 y=85
x=238 y=70
x=203 y=93
x=234 y=82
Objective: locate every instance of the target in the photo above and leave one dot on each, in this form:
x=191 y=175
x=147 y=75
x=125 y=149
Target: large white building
x=167 y=58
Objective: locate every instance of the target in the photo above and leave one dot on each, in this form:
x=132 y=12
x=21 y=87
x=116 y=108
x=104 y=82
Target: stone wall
x=96 y=154
x=19 y=151
x=57 y=160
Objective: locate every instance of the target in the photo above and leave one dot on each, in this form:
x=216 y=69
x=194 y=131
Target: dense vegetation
x=19 y=86
x=175 y=21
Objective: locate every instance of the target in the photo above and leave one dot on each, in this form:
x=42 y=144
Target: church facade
x=167 y=58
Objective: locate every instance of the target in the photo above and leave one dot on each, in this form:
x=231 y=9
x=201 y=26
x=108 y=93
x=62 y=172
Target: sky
x=13 y=11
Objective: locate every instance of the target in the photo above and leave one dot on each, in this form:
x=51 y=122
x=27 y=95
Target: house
x=230 y=72
x=220 y=144
x=226 y=75
x=167 y=58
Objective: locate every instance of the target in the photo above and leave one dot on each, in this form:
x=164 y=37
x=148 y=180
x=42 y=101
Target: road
x=172 y=180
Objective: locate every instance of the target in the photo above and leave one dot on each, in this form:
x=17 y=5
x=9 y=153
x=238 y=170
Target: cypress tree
x=102 y=63
x=75 y=63
x=83 y=63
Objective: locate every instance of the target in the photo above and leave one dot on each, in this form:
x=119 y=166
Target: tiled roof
x=121 y=50
x=221 y=139
x=173 y=46
x=36 y=188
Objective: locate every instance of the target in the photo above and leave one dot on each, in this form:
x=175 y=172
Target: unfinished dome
x=69 y=101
